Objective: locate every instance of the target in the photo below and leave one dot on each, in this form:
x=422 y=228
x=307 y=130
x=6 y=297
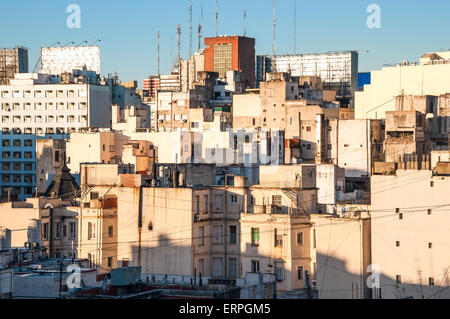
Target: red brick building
x=227 y=53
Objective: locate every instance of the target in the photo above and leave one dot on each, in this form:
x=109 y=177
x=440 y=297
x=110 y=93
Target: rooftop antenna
x=295 y=26
x=159 y=60
x=190 y=29
x=245 y=23
x=199 y=37
x=274 y=45
x=178 y=45
x=83 y=42
x=98 y=40
x=217 y=18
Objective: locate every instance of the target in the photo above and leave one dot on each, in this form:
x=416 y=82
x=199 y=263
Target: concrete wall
x=403 y=229
x=343 y=254
x=166 y=247
x=353 y=152
x=391 y=81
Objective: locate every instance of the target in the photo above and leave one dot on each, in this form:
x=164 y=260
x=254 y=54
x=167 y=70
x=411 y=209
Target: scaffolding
x=338 y=70
x=9 y=65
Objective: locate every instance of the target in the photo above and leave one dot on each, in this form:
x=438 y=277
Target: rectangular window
x=110 y=261
x=300 y=273
x=45 y=231
x=201 y=237
x=206 y=202
x=91 y=230
x=398 y=279
x=218 y=234
x=300 y=238
x=58 y=231
x=431 y=281
x=232 y=263
x=73 y=230
x=255 y=236
x=233 y=235
x=255 y=266
x=111 y=231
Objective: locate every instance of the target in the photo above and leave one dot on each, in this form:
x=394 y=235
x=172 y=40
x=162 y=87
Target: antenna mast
x=190 y=29
x=295 y=26
x=245 y=23
x=178 y=46
x=199 y=37
x=159 y=60
x=274 y=46
x=217 y=18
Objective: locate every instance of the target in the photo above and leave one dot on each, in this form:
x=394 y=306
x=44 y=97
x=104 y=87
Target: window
x=278 y=239
x=91 y=230
x=64 y=230
x=28 y=155
x=233 y=235
x=300 y=273
x=201 y=237
x=255 y=266
x=217 y=267
x=17 y=166
x=429 y=212
x=276 y=200
x=110 y=261
x=6 y=143
x=398 y=279
x=400 y=216
x=73 y=229
x=28 y=143
x=308 y=146
x=397 y=244
x=233 y=198
x=430 y=245
x=17 y=143
x=206 y=201
x=300 y=238
x=431 y=281
x=232 y=263
x=111 y=231
x=255 y=236
x=308 y=129
x=197 y=204
x=45 y=232
x=218 y=234
x=58 y=231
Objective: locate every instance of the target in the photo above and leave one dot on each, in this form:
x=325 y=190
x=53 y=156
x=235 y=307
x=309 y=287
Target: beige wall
x=288 y=255
x=343 y=255
x=167 y=248
x=412 y=192
x=389 y=82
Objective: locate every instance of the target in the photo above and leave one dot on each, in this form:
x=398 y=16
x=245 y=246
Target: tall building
x=226 y=53
x=12 y=61
x=338 y=70
x=37 y=106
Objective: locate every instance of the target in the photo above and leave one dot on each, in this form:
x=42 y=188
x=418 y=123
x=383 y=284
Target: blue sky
x=127 y=29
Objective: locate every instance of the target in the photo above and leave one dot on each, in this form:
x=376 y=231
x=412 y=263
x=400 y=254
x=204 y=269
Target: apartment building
x=31 y=109
x=427 y=77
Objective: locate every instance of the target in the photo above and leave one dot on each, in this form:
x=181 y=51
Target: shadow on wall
x=336 y=282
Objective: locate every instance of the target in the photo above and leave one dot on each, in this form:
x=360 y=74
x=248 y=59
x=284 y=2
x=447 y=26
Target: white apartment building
x=36 y=106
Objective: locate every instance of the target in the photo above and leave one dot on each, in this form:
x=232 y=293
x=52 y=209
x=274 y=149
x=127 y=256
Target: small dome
x=63 y=185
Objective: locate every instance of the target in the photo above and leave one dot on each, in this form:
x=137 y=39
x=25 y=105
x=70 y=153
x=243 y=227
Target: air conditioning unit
x=314 y=284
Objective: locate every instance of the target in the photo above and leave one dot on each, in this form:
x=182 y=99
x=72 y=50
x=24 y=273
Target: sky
x=127 y=29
